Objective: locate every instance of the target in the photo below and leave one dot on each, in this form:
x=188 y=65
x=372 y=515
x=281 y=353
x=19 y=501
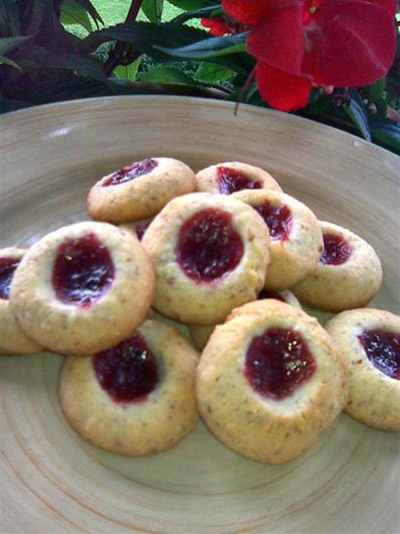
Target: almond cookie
x=82 y=288
x=12 y=339
x=200 y=334
x=210 y=254
x=270 y=381
x=295 y=234
x=370 y=343
x=139 y=190
x=348 y=274
x=137 y=398
x=227 y=178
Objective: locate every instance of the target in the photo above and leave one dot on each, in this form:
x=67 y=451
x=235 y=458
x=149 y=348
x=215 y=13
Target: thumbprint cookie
x=348 y=274
x=233 y=176
x=369 y=340
x=139 y=190
x=200 y=334
x=82 y=288
x=295 y=235
x=210 y=254
x=137 y=227
x=12 y=339
x=270 y=381
x=137 y=398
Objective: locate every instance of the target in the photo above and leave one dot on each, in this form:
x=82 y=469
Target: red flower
x=299 y=44
x=219 y=26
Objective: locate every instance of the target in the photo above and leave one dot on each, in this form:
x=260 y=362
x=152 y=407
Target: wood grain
x=52 y=481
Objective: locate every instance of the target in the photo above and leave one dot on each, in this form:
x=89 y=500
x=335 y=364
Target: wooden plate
x=54 y=482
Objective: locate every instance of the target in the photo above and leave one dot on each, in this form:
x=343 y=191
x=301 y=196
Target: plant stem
x=118 y=55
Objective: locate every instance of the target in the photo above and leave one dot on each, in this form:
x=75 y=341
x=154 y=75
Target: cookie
x=82 y=288
x=12 y=339
x=369 y=340
x=137 y=227
x=295 y=234
x=200 y=334
x=233 y=176
x=270 y=381
x=348 y=275
x=139 y=190
x=210 y=254
x=137 y=398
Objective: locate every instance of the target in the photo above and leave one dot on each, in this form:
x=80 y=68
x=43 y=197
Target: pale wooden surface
x=52 y=481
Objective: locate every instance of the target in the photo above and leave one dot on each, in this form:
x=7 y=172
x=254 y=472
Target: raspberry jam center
x=231 y=180
x=208 y=246
x=127 y=372
x=141 y=229
x=278 y=219
x=267 y=294
x=278 y=362
x=83 y=271
x=383 y=350
x=130 y=172
x=336 y=250
x=7 y=269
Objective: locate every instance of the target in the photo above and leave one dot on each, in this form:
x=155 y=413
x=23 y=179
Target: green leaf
x=8 y=61
x=85 y=65
x=209 y=48
x=73 y=13
x=144 y=35
x=153 y=10
x=212 y=73
x=128 y=72
x=7 y=44
x=89 y=7
x=357 y=113
x=386 y=132
x=201 y=13
x=165 y=74
x=376 y=90
x=187 y=5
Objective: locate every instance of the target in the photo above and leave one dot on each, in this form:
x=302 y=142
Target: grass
x=113 y=11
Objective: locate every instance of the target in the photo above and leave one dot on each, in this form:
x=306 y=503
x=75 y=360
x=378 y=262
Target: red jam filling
x=83 y=271
x=130 y=172
x=277 y=218
x=278 y=362
x=127 y=372
x=266 y=294
x=383 y=350
x=208 y=246
x=231 y=180
x=336 y=250
x=7 y=269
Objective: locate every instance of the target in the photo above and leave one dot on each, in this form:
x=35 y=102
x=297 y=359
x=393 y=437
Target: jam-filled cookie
x=348 y=274
x=12 y=339
x=230 y=177
x=369 y=340
x=200 y=334
x=210 y=254
x=82 y=288
x=137 y=398
x=270 y=381
x=137 y=227
x=295 y=234
x=139 y=190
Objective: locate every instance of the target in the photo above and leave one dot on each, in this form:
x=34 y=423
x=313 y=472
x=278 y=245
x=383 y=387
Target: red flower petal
x=349 y=44
x=281 y=90
x=279 y=39
x=390 y=5
x=216 y=25
x=248 y=11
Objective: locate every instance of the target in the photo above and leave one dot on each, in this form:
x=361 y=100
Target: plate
x=52 y=481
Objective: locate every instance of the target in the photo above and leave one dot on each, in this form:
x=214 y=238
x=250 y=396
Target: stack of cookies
x=183 y=296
